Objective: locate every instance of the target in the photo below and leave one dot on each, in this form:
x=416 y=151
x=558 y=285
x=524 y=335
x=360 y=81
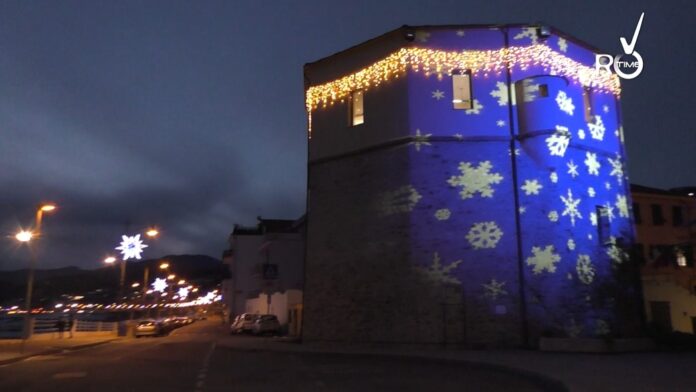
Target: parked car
x=243 y=323
x=266 y=324
x=149 y=328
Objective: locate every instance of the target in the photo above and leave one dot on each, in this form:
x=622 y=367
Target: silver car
x=266 y=324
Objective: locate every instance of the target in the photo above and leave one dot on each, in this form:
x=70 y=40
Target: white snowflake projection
x=458 y=136
x=420 y=139
x=461 y=33
x=571 y=207
x=565 y=103
x=607 y=211
x=528 y=32
x=605 y=108
x=571 y=244
x=553 y=177
x=597 y=128
x=500 y=123
x=159 y=285
x=183 y=292
x=593 y=218
x=607 y=185
x=438 y=94
x=616 y=169
x=500 y=93
x=522 y=210
x=569 y=276
x=422 y=36
x=517 y=152
x=591 y=192
x=475 y=108
x=543 y=259
x=589 y=236
x=531 y=187
x=558 y=141
x=581 y=134
x=440 y=273
x=530 y=92
x=442 y=214
x=572 y=169
x=585 y=269
x=622 y=206
x=592 y=163
x=131 y=247
x=562 y=44
x=484 y=235
x=400 y=200
x=573 y=329
x=553 y=216
x=494 y=289
x=475 y=179
x=615 y=252
x=602 y=328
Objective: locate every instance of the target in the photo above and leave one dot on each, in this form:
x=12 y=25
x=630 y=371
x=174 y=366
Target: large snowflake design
x=438 y=94
x=597 y=128
x=531 y=187
x=562 y=44
x=501 y=93
x=183 y=292
x=622 y=206
x=565 y=103
x=558 y=141
x=572 y=169
x=440 y=273
x=494 y=289
x=592 y=163
x=475 y=179
x=585 y=269
x=607 y=211
x=442 y=214
x=484 y=235
x=571 y=207
x=616 y=168
x=420 y=139
x=543 y=259
x=529 y=32
x=475 y=108
x=131 y=247
x=615 y=252
x=159 y=285
x=402 y=199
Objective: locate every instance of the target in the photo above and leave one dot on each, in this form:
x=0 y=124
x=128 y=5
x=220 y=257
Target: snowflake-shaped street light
x=131 y=247
x=183 y=293
x=159 y=285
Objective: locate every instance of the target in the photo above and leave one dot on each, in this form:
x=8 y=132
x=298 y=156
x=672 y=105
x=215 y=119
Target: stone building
x=466 y=184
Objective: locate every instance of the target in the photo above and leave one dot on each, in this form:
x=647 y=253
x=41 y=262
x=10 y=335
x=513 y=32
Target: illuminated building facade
x=466 y=184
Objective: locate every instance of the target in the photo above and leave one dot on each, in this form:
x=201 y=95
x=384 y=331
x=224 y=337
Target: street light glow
x=110 y=260
x=164 y=266
x=171 y=277
x=24 y=236
x=136 y=284
x=182 y=281
x=152 y=232
x=48 y=207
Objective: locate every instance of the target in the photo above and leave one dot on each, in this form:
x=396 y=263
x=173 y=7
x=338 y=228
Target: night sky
x=190 y=115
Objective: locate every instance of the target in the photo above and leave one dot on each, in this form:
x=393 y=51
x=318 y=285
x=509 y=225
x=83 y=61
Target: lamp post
x=26 y=236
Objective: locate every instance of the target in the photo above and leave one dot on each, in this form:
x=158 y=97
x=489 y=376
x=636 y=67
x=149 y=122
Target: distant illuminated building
x=466 y=184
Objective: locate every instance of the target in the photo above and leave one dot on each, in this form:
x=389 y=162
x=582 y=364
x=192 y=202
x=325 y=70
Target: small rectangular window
x=357 y=108
x=461 y=90
x=636 y=214
x=657 y=218
x=543 y=90
x=677 y=216
x=587 y=104
x=603 y=225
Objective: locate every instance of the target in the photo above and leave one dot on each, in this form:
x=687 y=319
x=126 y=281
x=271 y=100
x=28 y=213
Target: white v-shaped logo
x=628 y=49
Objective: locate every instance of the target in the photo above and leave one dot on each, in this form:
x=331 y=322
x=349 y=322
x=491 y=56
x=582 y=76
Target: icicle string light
x=438 y=62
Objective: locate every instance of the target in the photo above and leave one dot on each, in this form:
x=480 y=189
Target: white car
x=243 y=323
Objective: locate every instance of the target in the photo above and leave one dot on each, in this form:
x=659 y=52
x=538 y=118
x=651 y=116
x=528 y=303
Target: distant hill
x=101 y=284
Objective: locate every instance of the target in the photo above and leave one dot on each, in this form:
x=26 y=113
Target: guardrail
x=43 y=326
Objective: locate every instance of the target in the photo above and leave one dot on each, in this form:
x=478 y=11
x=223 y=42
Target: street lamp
x=152 y=232
x=110 y=260
x=171 y=277
x=164 y=266
x=24 y=236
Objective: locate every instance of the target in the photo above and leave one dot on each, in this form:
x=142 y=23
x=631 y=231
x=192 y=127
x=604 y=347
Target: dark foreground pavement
x=191 y=360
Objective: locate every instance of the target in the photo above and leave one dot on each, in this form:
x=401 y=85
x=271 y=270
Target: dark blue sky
x=190 y=115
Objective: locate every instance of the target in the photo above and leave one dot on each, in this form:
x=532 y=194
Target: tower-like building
x=466 y=184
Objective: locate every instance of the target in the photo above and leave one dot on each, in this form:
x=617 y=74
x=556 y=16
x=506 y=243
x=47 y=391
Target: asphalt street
x=191 y=360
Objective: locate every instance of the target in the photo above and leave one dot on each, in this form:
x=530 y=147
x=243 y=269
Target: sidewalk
x=11 y=350
x=650 y=371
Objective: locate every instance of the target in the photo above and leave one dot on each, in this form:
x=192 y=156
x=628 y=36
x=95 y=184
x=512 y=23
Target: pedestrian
x=71 y=323
x=60 y=324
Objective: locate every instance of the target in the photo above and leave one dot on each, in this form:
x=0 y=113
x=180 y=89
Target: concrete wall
x=664 y=287
x=280 y=304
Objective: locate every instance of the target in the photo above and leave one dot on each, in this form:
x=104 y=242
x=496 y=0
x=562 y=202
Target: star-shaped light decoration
x=438 y=94
x=159 y=285
x=131 y=247
x=183 y=293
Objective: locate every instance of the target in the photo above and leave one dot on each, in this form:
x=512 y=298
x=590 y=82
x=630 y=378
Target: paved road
x=189 y=360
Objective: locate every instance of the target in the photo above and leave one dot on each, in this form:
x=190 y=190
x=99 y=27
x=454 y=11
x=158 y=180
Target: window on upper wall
x=677 y=216
x=357 y=107
x=603 y=225
x=543 y=90
x=461 y=90
x=636 y=214
x=587 y=103
x=657 y=218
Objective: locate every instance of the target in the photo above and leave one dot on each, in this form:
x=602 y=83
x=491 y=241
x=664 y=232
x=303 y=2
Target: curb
x=543 y=381
x=53 y=351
